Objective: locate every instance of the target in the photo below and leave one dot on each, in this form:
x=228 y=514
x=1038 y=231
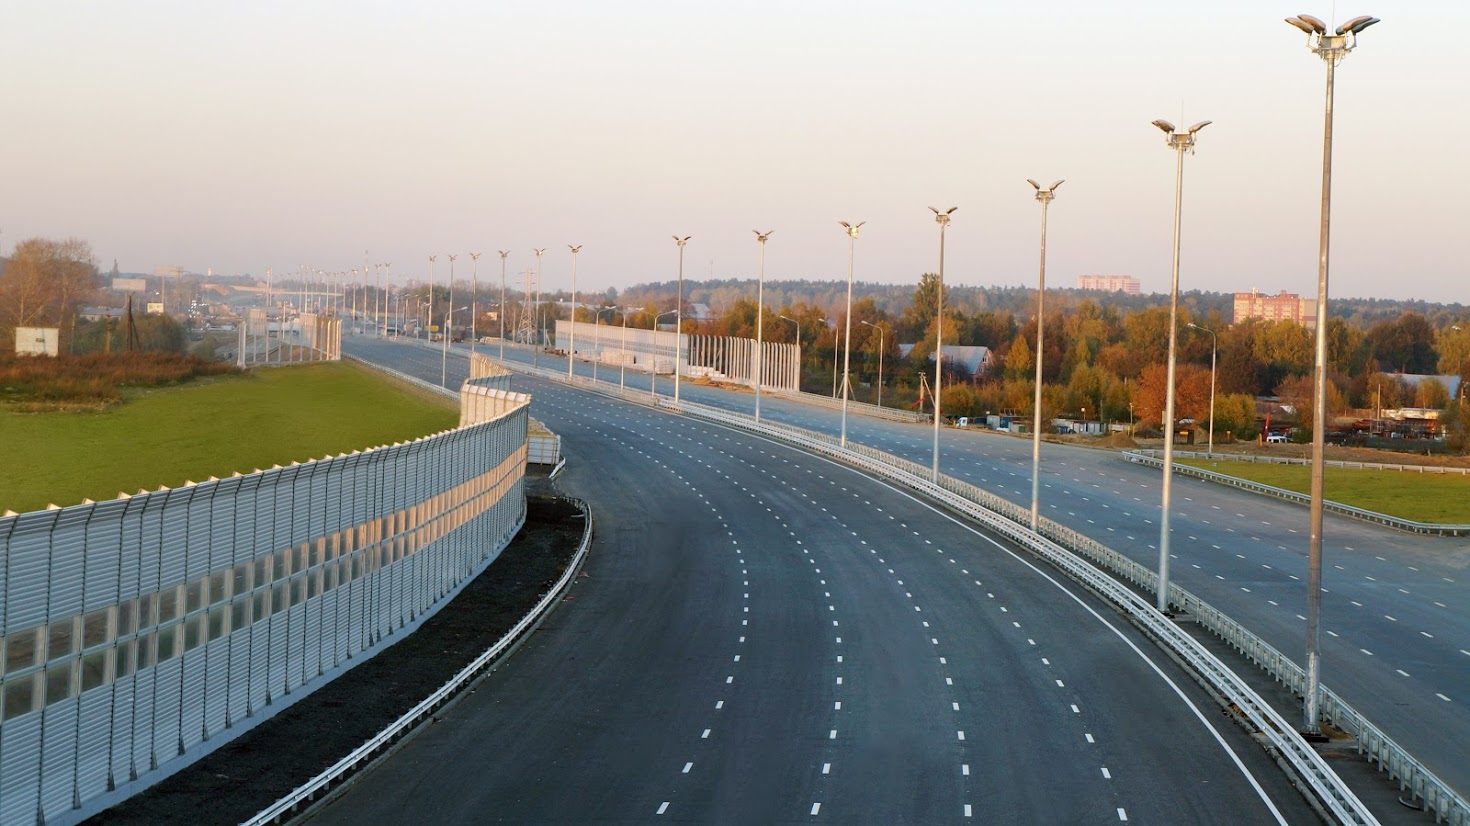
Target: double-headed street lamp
x=474 y=301
x=880 y=359
x=798 y=335
x=679 y=316
x=760 y=309
x=1180 y=142
x=852 y=234
x=540 y=333
x=1043 y=197
x=444 y=336
x=1214 y=347
x=942 y=218
x=500 y=313
x=1332 y=49
x=572 y=327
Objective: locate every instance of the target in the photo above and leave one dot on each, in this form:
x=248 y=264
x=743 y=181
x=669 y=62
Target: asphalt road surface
x=765 y=636
x=1395 y=606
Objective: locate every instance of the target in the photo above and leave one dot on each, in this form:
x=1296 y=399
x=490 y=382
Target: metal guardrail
x=858 y=408
x=328 y=780
x=1433 y=528
x=1413 y=777
x=1253 y=458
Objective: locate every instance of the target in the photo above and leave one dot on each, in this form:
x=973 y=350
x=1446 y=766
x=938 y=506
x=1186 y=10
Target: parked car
x=1276 y=438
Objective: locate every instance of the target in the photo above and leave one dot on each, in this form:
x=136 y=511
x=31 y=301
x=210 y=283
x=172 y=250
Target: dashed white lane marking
x=1122 y=814
x=1107 y=775
x=663 y=807
x=816 y=807
x=687 y=767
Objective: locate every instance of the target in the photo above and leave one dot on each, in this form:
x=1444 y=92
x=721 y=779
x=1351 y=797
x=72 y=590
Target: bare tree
x=44 y=285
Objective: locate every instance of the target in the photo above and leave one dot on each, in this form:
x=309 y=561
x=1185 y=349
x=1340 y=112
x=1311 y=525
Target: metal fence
x=307 y=337
x=140 y=633
x=1435 y=528
x=1255 y=458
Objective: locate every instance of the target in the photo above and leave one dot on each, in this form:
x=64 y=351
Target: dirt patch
x=263 y=765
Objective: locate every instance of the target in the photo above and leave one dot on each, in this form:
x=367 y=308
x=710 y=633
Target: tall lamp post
x=474 y=301
x=942 y=218
x=500 y=312
x=1332 y=49
x=444 y=334
x=572 y=327
x=653 y=373
x=760 y=309
x=597 y=321
x=1180 y=142
x=623 y=359
x=536 y=306
x=798 y=348
x=1043 y=197
x=1214 y=348
x=880 y=359
x=852 y=234
x=679 y=316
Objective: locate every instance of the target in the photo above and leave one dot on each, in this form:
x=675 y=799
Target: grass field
x=213 y=426
x=1421 y=497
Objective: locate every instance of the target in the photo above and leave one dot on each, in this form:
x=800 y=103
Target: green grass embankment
x=1421 y=497
x=213 y=426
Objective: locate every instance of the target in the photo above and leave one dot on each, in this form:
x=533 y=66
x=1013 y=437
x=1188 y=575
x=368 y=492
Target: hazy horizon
x=277 y=135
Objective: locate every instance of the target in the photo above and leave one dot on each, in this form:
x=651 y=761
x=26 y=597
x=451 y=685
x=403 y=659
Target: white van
x=1276 y=438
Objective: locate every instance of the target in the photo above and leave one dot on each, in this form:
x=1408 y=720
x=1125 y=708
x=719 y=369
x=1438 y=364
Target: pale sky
x=245 y=136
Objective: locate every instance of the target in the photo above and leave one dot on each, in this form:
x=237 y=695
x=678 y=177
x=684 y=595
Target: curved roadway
x=764 y=636
x=1395 y=608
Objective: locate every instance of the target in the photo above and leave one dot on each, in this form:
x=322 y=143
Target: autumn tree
x=1191 y=395
x=44 y=284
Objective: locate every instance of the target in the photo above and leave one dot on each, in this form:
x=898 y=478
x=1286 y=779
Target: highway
x=764 y=636
x=1396 y=619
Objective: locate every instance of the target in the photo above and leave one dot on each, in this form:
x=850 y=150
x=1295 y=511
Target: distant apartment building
x=1109 y=283
x=1283 y=306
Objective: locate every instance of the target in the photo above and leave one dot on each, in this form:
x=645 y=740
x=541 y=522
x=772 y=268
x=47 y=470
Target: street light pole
x=504 y=254
x=474 y=301
x=572 y=327
x=1332 y=49
x=852 y=234
x=653 y=373
x=760 y=309
x=596 y=322
x=1043 y=197
x=623 y=356
x=679 y=316
x=444 y=334
x=1214 y=347
x=540 y=334
x=942 y=218
x=1180 y=142
x=880 y=359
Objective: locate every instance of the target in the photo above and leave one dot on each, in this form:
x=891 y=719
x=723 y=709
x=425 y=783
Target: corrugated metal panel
x=121 y=768
x=20 y=770
x=94 y=733
x=191 y=698
x=58 y=757
x=68 y=562
x=6 y=524
x=216 y=685
x=142 y=721
x=30 y=552
x=104 y=570
x=198 y=513
x=175 y=535
x=239 y=679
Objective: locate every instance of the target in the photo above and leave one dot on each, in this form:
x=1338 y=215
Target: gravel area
x=258 y=768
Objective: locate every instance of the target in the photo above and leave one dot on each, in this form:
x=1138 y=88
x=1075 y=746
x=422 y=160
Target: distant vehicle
x=487 y=339
x=966 y=421
x=1276 y=438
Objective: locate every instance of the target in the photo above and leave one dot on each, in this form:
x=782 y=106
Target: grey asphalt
x=1396 y=607
x=764 y=636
